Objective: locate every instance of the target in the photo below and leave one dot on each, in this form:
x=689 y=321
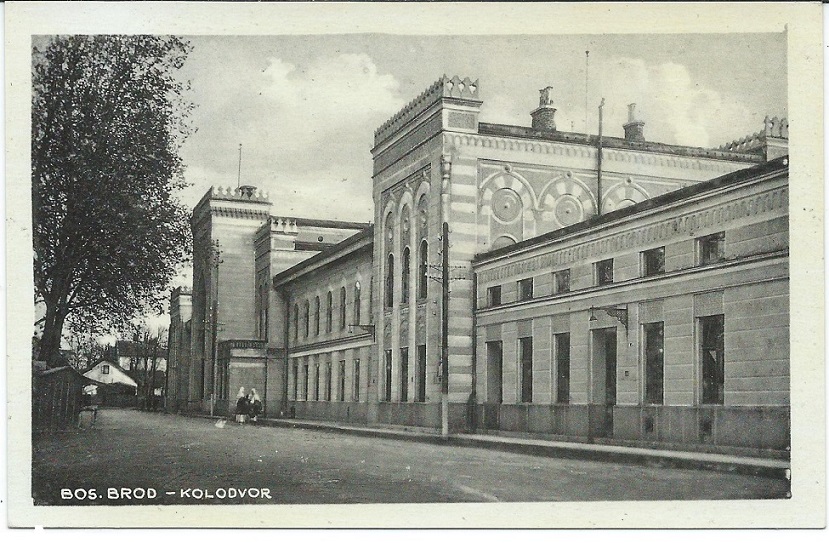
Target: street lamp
x=619 y=313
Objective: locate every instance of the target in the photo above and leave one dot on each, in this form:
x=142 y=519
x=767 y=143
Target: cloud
x=304 y=128
x=676 y=108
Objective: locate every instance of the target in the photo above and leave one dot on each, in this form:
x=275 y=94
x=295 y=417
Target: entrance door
x=494 y=367
x=604 y=378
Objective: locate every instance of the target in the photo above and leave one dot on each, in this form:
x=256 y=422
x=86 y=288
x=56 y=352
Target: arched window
x=329 y=312
x=317 y=316
x=404 y=294
x=371 y=301
x=342 y=307
x=390 y=281
x=306 y=318
x=357 y=303
x=422 y=276
x=296 y=322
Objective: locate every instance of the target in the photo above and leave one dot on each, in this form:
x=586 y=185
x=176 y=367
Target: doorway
x=604 y=378
x=494 y=366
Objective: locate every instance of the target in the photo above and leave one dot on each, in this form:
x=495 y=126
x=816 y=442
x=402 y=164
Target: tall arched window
x=390 y=281
x=342 y=307
x=317 y=316
x=422 y=276
x=404 y=283
x=371 y=300
x=306 y=318
x=357 y=303
x=329 y=312
x=296 y=322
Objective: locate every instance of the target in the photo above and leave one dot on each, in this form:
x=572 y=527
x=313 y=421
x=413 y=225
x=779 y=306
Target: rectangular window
x=654 y=362
x=341 y=388
x=493 y=296
x=404 y=374
x=420 y=374
x=105 y=369
x=494 y=372
x=711 y=248
x=653 y=262
x=561 y=281
x=712 y=357
x=356 y=394
x=604 y=272
x=525 y=348
x=387 y=380
x=562 y=346
x=307 y=377
x=317 y=382
x=296 y=381
x=328 y=382
x=525 y=289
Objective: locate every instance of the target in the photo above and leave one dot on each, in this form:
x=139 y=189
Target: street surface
x=133 y=457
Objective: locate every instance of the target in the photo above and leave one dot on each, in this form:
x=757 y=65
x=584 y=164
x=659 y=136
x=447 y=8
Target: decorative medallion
x=566 y=201
x=506 y=205
x=568 y=210
x=622 y=195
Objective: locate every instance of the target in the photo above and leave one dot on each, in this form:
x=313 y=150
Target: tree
x=108 y=121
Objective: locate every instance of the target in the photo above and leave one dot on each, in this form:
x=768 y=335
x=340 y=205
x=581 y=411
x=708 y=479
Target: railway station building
x=601 y=288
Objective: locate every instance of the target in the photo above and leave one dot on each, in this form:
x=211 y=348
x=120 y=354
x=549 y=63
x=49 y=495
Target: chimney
x=634 y=130
x=544 y=117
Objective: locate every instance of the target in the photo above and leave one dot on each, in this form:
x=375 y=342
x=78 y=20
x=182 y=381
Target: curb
x=776 y=469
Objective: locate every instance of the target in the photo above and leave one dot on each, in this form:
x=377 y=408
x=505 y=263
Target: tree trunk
x=52 y=332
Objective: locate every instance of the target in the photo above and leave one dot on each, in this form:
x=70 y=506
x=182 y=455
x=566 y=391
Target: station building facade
x=348 y=327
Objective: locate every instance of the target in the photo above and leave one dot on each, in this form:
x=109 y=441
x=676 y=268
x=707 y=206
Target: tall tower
x=413 y=197
x=224 y=288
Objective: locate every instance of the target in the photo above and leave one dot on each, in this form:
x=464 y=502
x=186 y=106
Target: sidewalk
x=765 y=467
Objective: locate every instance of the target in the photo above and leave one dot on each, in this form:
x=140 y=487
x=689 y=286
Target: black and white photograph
x=540 y=259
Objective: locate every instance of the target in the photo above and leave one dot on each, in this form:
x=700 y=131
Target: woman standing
x=242 y=406
x=255 y=405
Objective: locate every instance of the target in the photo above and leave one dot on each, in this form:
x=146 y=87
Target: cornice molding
x=652 y=158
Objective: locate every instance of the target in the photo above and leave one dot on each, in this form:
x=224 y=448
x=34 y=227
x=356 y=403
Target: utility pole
x=446 y=169
x=586 y=89
x=599 y=163
x=444 y=333
x=215 y=255
x=239 y=172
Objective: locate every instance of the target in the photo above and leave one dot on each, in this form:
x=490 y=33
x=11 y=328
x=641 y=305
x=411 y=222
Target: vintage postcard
x=415 y=265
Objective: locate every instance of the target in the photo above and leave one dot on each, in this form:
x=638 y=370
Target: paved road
x=189 y=460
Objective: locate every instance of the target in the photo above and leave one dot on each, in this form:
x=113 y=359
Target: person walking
x=255 y=405
x=242 y=406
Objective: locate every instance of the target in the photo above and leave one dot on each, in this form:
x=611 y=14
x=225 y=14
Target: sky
x=304 y=108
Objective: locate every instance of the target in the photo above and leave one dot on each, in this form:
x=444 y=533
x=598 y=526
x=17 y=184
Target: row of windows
x=403 y=382
x=308 y=317
x=711 y=344
x=710 y=249
x=422 y=276
x=311 y=383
